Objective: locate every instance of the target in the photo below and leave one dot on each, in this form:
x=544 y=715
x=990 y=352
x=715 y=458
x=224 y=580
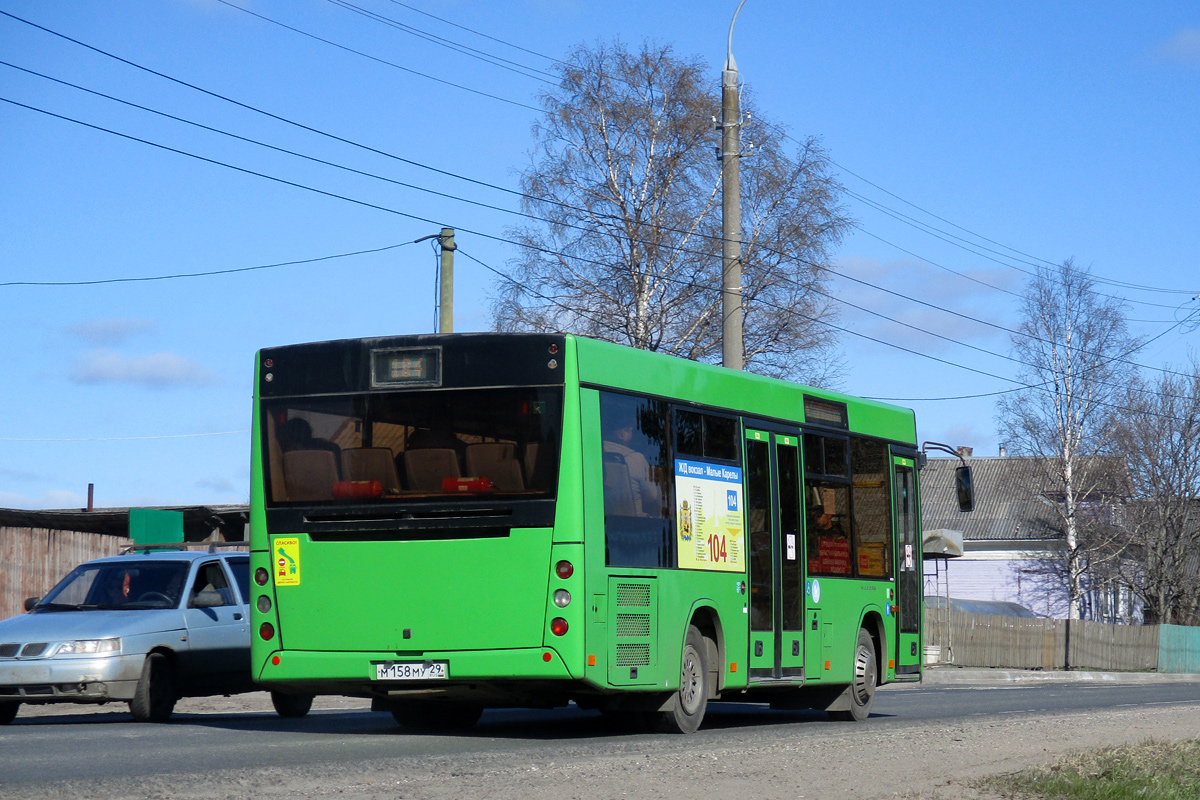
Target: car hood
x=54 y=626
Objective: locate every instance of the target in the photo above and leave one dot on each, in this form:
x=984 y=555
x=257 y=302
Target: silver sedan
x=145 y=628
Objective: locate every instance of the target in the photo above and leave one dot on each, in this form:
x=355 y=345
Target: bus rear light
x=264 y=603
x=564 y=569
x=558 y=626
x=275 y=660
x=562 y=598
x=266 y=631
x=547 y=657
x=261 y=576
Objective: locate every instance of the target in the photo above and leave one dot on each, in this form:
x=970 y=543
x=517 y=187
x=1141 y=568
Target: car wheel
x=292 y=706
x=8 y=712
x=154 y=698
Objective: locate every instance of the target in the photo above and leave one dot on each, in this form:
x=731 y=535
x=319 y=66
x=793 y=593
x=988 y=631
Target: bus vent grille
x=633 y=625
x=9 y=649
x=633 y=655
x=632 y=594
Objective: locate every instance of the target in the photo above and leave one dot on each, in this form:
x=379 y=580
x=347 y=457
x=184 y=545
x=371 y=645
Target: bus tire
x=861 y=693
x=154 y=698
x=686 y=708
x=8 y=712
x=291 y=706
x=435 y=717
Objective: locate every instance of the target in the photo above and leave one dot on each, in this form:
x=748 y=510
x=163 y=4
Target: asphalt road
x=60 y=744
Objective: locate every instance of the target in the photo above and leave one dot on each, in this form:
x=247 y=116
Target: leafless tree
x=1073 y=344
x=624 y=184
x=1160 y=437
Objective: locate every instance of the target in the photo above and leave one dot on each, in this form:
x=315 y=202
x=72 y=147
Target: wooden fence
x=978 y=640
x=32 y=560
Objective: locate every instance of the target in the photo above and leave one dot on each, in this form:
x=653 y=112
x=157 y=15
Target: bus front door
x=908 y=572
x=776 y=573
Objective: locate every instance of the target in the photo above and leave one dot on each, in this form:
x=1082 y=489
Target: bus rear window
x=414 y=445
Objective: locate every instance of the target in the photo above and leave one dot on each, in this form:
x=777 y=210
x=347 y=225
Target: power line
x=500 y=239
x=488 y=58
x=414 y=163
x=208 y=273
x=1035 y=261
x=384 y=61
x=416 y=187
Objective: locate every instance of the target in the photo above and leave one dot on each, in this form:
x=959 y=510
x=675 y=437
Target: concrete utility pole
x=731 y=211
x=446 y=289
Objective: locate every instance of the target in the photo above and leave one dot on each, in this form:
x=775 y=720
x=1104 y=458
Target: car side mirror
x=965 y=487
x=30 y=602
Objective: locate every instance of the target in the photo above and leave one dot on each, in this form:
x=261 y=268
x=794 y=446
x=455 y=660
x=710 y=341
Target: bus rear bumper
x=357 y=673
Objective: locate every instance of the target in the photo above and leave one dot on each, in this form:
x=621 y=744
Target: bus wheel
x=687 y=706
x=435 y=717
x=866 y=674
x=292 y=706
x=154 y=697
x=8 y=712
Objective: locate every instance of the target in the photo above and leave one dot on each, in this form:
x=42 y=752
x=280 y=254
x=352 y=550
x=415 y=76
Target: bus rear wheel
x=861 y=693
x=435 y=717
x=291 y=706
x=687 y=706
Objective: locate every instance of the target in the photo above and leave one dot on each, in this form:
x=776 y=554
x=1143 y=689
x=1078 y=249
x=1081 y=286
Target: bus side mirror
x=965 y=488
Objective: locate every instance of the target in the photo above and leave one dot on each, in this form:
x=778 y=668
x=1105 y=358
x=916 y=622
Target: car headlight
x=89 y=647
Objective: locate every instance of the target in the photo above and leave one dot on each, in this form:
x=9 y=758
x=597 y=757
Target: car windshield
x=130 y=585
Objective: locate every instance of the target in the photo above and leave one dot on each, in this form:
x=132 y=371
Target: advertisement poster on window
x=708 y=516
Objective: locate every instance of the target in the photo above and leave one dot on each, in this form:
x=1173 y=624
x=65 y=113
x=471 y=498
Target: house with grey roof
x=1013 y=542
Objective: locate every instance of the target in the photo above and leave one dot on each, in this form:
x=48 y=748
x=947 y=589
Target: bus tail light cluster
x=564 y=569
x=266 y=631
x=558 y=626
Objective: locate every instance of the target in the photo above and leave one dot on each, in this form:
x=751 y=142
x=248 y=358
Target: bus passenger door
x=776 y=575
x=908 y=569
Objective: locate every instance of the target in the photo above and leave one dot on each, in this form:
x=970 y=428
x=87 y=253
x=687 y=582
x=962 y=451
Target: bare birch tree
x=1160 y=437
x=625 y=185
x=1073 y=344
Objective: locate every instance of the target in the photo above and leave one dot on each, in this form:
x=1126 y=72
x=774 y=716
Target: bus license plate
x=411 y=671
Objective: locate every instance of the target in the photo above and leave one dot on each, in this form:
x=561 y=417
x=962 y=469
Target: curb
x=966 y=676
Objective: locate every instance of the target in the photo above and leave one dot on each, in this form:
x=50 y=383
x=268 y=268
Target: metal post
x=446 y=289
x=732 y=351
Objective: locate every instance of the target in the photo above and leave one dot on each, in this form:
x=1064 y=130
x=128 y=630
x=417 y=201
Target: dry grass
x=1152 y=770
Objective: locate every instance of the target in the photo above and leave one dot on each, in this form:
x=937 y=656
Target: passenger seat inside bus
x=371 y=464
x=496 y=460
x=309 y=474
x=425 y=468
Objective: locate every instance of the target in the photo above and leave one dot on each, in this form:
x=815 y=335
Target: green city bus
x=448 y=523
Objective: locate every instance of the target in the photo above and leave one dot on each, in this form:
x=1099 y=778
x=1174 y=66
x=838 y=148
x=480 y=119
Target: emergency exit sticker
x=286 y=556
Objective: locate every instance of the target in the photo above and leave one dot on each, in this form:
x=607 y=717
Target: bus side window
x=637 y=516
x=872 y=508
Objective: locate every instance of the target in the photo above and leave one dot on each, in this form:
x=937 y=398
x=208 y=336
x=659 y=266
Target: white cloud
x=52 y=498
x=111 y=331
x=1182 y=48
x=158 y=370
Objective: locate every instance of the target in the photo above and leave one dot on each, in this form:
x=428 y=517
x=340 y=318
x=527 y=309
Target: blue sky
x=1059 y=130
